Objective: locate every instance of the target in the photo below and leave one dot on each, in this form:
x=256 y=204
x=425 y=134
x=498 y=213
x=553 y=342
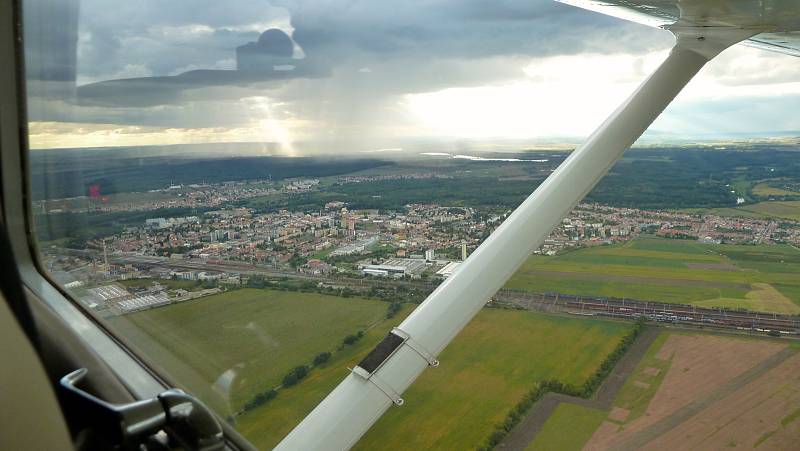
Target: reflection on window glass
x=253 y=193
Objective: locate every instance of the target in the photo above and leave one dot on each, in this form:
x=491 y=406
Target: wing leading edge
x=779 y=19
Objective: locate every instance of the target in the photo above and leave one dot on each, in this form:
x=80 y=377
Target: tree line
x=585 y=391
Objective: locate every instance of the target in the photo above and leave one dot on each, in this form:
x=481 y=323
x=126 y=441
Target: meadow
x=231 y=346
x=568 y=428
x=267 y=425
x=776 y=209
x=761 y=278
x=487 y=369
x=767 y=189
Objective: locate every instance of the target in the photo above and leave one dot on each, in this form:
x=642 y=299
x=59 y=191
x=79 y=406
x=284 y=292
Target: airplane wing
x=782 y=17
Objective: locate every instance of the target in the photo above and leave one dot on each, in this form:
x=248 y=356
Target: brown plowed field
x=719 y=392
x=753 y=412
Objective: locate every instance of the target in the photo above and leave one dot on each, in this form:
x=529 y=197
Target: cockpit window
x=253 y=194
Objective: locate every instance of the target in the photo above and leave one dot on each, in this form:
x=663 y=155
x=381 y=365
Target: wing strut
x=356 y=403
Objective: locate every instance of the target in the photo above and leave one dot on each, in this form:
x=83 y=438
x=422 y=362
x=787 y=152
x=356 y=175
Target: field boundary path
x=522 y=435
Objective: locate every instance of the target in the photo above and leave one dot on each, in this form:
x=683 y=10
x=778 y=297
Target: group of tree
x=294 y=376
x=390 y=294
x=132 y=172
x=297 y=374
x=352 y=339
x=297 y=261
x=260 y=399
x=394 y=307
x=321 y=358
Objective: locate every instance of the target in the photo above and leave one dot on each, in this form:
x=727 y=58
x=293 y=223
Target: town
x=226 y=243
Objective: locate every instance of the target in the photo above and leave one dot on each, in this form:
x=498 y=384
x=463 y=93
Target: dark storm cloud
x=262 y=63
x=273 y=42
x=457 y=29
x=357 y=51
x=152 y=91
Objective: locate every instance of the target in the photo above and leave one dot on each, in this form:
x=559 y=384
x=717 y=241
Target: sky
x=334 y=76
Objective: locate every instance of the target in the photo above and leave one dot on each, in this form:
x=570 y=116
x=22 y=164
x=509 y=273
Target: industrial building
x=143 y=302
x=396 y=267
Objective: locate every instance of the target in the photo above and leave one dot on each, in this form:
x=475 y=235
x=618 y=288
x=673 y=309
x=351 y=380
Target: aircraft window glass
x=251 y=194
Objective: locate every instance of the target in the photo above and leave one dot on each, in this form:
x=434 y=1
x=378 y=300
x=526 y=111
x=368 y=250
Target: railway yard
x=688 y=315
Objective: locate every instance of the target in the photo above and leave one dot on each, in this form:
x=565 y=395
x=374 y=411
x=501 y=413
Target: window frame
x=140 y=375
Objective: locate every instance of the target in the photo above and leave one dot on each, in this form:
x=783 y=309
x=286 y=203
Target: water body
x=474 y=158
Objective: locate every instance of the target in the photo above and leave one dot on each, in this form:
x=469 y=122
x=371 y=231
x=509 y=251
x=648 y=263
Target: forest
x=644 y=178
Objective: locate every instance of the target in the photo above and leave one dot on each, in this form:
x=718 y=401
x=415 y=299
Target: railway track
x=655 y=311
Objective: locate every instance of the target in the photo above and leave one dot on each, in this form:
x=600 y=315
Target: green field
x=486 y=371
x=728 y=212
x=230 y=346
x=762 y=278
x=568 y=428
x=775 y=209
x=789 y=209
x=267 y=425
x=495 y=360
x=768 y=189
x=571 y=426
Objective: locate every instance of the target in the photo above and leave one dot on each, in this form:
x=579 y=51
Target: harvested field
x=618 y=414
x=771 y=300
x=757 y=414
x=763 y=297
x=717 y=392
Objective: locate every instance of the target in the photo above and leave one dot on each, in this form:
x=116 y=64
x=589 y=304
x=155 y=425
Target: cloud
x=161 y=38
x=353 y=74
x=167 y=90
x=262 y=63
x=273 y=43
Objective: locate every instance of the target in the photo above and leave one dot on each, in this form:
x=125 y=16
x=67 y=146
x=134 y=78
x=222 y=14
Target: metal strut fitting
x=396 y=339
